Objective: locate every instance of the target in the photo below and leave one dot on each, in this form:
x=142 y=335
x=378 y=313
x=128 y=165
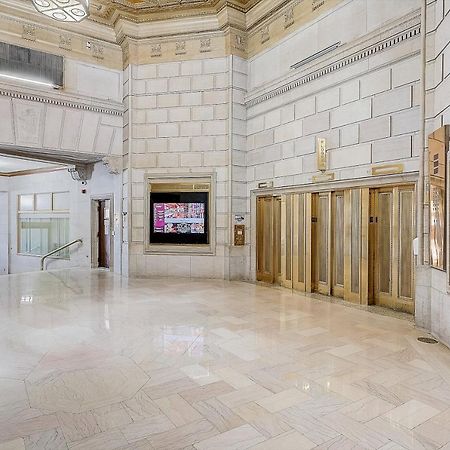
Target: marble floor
x=89 y=360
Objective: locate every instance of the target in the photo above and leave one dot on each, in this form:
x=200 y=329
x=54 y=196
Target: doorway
x=102 y=235
x=268 y=239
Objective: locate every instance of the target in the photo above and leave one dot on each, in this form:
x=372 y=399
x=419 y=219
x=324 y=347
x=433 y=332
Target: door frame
x=95 y=226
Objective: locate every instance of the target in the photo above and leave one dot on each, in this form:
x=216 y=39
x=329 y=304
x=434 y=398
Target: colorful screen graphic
x=179 y=218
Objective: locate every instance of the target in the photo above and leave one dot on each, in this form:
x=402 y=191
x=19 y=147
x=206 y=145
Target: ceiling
x=9 y=165
x=148 y=10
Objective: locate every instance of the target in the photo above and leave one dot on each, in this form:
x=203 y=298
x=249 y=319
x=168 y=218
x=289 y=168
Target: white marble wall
x=178 y=122
x=85 y=117
x=433 y=292
x=80 y=215
x=4 y=228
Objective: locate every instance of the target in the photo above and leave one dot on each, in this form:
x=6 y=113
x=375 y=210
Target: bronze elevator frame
x=314 y=259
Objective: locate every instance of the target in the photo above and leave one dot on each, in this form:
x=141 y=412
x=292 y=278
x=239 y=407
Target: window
x=43 y=225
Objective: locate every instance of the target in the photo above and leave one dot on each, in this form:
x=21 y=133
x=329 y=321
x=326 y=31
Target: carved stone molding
x=29 y=32
x=81 y=172
x=65 y=42
x=60 y=102
x=114 y=164
x=384 y=44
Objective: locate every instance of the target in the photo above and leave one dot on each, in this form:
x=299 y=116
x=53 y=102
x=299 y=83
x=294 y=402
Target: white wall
x=433 y=292
x=345 y=23
x=179 y=123
x=80 y=215
x=4 y=237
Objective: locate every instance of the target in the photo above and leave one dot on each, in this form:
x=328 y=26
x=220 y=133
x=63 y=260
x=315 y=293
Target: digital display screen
x=179 y=218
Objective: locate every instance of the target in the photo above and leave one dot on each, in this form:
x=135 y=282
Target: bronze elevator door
x=392 y=230
x=268 y=239
x=321 y=243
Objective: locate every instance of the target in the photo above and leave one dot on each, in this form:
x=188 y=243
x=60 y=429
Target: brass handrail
x=58 y=250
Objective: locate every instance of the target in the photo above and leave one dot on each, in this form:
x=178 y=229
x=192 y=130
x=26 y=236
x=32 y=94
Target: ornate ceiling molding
x=174 y=29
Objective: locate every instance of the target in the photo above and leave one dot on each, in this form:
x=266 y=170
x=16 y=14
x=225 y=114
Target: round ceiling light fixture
x=63 y=10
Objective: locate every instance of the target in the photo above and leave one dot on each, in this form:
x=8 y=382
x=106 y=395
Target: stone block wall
x=183 y=118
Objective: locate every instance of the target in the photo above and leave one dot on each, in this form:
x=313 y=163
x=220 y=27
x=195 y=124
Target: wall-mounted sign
x=322 y=154
x=265 y=184
x=323 y=177
x=239 y=219
x=388 y=169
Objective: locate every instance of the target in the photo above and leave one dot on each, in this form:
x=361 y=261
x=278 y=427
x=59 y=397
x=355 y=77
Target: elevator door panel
x=264 y=238
x=322 y=243
x=393 y=217
x=301 y=242
x=338 y=220
x=286 y=239
x=268 y=245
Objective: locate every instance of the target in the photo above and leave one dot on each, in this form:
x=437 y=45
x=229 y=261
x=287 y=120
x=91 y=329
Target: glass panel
x=301 y=238
x=323 y=239
x=385 y=240
x=437 y=166
x=355 y=239
x=339 y=239
x=406 y=238
x=43 y=202
x=61 y=201
x=288 y=238
x=26 y=202
x=39 y=236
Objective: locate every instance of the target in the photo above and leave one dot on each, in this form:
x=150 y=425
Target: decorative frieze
x=156 y=50
x=180 y=48
x=60 y=102
x=265 y=34
x=205 y=45
x=65 y=42
x=289 y=17
x=240 y=42
x=29 y=32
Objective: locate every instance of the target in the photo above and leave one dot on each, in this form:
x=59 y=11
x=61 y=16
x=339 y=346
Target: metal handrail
x=58 y=250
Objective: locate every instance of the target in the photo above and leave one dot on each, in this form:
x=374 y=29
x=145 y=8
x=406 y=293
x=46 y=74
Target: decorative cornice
x=12 y=93
x=339 y=64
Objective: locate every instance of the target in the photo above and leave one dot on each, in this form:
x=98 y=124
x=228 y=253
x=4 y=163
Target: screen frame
x=184 y=198
x=177 y=183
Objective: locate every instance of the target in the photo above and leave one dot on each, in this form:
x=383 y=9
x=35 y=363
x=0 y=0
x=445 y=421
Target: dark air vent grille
x=31 y=64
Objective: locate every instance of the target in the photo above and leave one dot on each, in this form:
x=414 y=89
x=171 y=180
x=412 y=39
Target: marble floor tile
x=15 y=444
x=237 y=439
x=411 y=414
x=103 y=362
x=111 y=440
x=143 y=429
x=47 y=440
x=267 y=424
x=292 y=440
x=222 y=417
x=282 y=400
x=184 y=436
x=178 y=410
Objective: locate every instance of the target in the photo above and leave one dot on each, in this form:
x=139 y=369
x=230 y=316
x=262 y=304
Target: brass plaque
x=321 y=154
x=323 y=177
x=388 y=169
x=239 y=235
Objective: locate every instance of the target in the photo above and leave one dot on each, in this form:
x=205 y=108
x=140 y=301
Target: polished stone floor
x=89 y=360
